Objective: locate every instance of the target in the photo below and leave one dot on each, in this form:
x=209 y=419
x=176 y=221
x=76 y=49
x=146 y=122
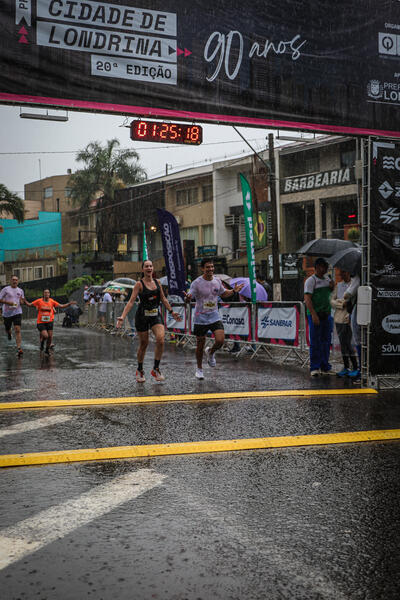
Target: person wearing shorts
x=206 y=289
x=11 y=298
x=45 y=320
x=148 y=317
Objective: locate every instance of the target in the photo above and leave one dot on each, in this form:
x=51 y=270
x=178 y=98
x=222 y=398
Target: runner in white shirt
x=206 y=289
x=11 y=298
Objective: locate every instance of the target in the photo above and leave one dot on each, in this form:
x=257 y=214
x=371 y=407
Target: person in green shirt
x=317 y=292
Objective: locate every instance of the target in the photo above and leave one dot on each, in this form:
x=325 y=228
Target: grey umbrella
x=348 y=259
x=325 y=247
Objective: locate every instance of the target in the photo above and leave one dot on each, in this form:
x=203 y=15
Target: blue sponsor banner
x=172 y=250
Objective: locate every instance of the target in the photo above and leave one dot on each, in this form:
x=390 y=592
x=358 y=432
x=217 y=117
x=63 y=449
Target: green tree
x=12 y=204
x=106 y=169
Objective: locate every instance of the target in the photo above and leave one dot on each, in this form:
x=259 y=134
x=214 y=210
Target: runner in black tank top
x=148 y=317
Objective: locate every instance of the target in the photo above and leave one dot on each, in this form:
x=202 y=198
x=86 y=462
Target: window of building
x=187 y=196
x=348 y=155
x=247 y=173
x=83 y=221
x=49 y=271
x=208 y=235
x=207 y=193
x=48 y=192
x=17 y=273
x=67 y=192
x=190 y=233
x=29 y=274
x=38 y=273
x=300 y=163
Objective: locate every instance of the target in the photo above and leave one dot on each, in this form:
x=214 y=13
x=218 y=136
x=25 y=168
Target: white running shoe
x=199 y=373
x=158 y=376
x=210 y=357
x=140 y=378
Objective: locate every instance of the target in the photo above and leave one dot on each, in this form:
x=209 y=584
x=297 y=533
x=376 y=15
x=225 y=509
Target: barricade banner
x=177 y=326
x=236 y=320
x=278 y=325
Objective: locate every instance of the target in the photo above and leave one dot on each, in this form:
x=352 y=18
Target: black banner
x=385 y=257
x=323 y=66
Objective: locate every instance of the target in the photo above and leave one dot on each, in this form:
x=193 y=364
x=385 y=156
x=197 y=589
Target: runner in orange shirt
x=45 y=307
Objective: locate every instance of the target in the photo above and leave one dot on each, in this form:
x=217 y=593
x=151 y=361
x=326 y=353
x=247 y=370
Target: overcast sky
x=30 y=149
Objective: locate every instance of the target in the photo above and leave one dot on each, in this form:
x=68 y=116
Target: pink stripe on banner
x=188 y=115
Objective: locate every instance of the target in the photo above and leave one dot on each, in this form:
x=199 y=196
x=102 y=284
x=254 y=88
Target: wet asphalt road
x=309 y=523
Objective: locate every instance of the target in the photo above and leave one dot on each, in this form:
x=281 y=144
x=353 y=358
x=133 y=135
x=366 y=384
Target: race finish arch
x=313 y=65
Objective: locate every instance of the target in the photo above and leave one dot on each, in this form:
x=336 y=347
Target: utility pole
x=274 y=220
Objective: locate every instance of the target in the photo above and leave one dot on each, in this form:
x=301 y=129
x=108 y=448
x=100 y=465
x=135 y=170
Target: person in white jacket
x=342 y=323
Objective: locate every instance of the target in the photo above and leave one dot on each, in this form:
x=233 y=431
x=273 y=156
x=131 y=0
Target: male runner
x=11 y=297
x=206 y=289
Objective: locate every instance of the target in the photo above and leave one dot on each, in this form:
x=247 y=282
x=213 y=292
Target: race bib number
x=45 y=318
x=210 y=305
x=151 y=313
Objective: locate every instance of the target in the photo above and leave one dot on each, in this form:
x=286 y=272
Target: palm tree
x=12 y=204
x=107 y=168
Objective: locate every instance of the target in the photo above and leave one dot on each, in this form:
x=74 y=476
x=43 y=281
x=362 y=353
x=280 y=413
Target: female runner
x=45 y=307
x=148 y=317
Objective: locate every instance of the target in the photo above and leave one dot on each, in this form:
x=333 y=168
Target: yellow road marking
x=118 y=452
x=181 y=398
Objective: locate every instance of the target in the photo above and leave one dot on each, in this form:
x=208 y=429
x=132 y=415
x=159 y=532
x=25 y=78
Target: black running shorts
x=45 y=326
x=8 y=321
x=143 y=323
x=200 y=330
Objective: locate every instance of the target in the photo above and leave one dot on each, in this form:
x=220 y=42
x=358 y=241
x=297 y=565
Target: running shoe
x=199 y=373
x=47 y=351
x=158 y=376
x=20 y=352
x=355 y=374
x=343 y=373
x=327 y=371
x=9 y=335
x=210 y=358
x=140 y=378
x=315 y=373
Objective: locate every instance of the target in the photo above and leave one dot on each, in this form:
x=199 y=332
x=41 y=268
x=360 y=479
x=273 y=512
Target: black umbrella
x=348 y=259
x=325 y=247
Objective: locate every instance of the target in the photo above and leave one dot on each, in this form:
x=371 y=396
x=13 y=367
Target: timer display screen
x=170 y=133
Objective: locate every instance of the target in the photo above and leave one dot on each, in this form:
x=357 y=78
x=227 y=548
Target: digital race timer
x=171 y=133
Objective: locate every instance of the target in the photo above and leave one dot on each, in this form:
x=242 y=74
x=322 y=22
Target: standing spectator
x=11 y=297
x=342 y=322
x=103 y=307
x=350 y=296
x=86 y=294
x=317 y=291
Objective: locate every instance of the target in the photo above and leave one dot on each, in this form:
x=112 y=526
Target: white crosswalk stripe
x=34 y=424
x=52 y=524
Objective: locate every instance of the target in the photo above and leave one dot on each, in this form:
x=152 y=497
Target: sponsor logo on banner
x=387 y=43
x=277 y=323
x=396 y=241
x=389 y=270
x=391 y=349
x=383 y=293
x=390 y=163
x=375 y=89
x=235 y=320
x=391 y=324
x=382 y=92
x=385 y=190
x=390 y=215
